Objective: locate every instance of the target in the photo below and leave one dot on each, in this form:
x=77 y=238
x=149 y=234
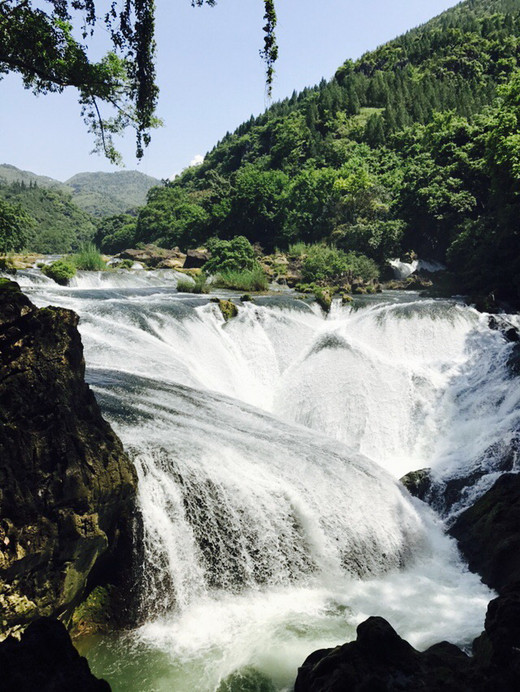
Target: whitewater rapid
x=268 y=450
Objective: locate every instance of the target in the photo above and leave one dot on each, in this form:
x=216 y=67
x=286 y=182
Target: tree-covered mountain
x=65 y=215
x=104 y=194
x=99 y=194
x=412 y=147
x=57 y=224
x=12 y=174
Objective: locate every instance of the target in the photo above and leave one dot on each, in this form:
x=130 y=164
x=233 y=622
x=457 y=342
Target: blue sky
x=210 y=76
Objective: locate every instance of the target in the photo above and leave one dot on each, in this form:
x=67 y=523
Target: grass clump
x=60 y=271
x=89 y=258
x=199 y=285
x=244 y=280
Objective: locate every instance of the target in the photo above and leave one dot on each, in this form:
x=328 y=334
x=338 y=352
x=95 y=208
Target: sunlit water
x=267 y=450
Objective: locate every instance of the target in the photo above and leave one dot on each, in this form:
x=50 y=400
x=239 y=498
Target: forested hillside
x=58 y=225
x=100 y=194
x=104 y=194
x=412 y=147
x=63 y=215
x=12 y=174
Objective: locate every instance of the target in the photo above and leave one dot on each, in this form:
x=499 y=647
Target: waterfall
x=268 y=450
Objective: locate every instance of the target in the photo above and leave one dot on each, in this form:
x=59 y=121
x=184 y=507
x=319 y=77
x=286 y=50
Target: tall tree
x=49 y=48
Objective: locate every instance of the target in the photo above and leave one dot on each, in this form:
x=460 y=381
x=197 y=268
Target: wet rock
x=323 y=298
x=381 y=660
x=45 y=659
x=67 y=487
x=488 y=533
x=508 y=330
x=418 y=483
x=226 y=307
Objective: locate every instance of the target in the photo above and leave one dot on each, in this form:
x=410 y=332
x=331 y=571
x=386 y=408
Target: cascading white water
x=270 y=527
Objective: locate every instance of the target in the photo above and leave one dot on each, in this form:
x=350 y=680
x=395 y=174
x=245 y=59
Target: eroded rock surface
x=67 y=487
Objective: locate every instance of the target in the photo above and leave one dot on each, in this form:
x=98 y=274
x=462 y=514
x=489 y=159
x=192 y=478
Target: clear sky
x=210 y=76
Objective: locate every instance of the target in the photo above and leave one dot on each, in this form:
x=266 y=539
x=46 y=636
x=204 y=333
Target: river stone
x=153 y=256
x=67 y=487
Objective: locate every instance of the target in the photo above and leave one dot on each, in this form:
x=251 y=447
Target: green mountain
x=65 y=213
x=60 y=226
x=99 y=194
x=12 y=174
x=105 y=194
x=411 y=147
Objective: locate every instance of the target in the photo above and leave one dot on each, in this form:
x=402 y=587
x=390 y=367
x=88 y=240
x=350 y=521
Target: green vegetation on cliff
x=411 y=147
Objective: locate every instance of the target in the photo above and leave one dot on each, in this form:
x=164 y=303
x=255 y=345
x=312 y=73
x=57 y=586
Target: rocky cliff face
x=66 y=486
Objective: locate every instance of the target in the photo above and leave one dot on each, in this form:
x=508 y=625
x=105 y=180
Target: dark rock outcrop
x=418 y=483
x=45 y=660
x=488 y=533
x=67 y=487
x=226 y=307
x=380 y=661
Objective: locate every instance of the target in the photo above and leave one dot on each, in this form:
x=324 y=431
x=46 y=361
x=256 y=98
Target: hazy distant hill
x=100 y=194
x=104 y=194
x=12 y=174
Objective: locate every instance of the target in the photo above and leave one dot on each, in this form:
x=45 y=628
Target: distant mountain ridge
x=11 y=174
x=100 y=194
x=105 y=194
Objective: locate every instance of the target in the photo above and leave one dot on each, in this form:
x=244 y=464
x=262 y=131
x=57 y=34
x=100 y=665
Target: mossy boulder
x=60 y=271
x=67 y=486
x=226 y=307
x=323 y=298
